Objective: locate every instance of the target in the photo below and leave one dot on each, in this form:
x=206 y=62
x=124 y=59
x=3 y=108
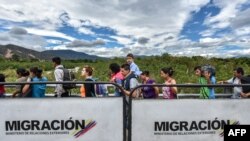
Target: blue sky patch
x=195 y=25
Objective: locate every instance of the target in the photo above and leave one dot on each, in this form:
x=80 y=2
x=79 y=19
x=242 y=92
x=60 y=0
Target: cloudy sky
x=108 y=28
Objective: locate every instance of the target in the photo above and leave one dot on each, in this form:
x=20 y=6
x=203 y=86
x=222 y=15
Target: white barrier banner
x=186 y=120
x=64 y=119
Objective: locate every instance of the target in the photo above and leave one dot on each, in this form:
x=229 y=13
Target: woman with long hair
x=148 y=91
x=168 y=92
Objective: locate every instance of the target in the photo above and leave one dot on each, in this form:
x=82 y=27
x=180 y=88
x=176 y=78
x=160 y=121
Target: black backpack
x=68 y=76
x=245 y=80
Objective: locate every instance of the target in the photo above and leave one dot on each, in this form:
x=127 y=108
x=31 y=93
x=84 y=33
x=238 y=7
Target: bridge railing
x=178 y=96
x=227 y=93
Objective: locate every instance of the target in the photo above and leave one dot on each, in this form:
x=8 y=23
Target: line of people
x=238 y=78
x=207 y=76
x=126 y=76
x=27 y=90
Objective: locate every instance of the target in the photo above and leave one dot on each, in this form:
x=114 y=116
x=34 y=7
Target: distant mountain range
x=10 y=51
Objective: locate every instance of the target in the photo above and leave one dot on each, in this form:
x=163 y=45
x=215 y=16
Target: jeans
x=2 y=95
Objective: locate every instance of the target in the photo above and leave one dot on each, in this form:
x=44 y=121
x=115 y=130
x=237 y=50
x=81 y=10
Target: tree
x=15 y=57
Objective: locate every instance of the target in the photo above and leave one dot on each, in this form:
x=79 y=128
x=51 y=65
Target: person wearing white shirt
x=59 y=90
x=238 y=73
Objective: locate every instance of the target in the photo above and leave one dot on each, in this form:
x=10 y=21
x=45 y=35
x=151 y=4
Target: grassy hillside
x=183 y=67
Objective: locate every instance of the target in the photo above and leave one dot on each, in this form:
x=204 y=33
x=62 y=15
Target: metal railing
x=108 y=86
x=12 y=84
x=129 y=114
x=170 y=85
x=51 y=84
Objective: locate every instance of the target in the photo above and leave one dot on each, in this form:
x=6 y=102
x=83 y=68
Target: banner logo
x=76 y=128
x=89 y=126
x=192 y=127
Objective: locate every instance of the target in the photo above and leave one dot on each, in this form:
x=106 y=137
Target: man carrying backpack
x=130 y=81
x=59 y=74
x=238 y=73
x=245 y=89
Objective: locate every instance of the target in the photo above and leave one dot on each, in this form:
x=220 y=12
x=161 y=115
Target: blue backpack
x=100 y=89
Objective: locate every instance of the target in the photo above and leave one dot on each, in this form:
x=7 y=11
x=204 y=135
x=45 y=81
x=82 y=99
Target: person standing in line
x=116 y=77
x=149 y=91
x=2 y=89
x=87 y=90
x=236 y=79
x=129 y=82
x=22 y=76
x=37 y=90
x=210 y=80
x=168 y=92
x=204 y=91
x=27 y=89
x=245 y=95
x=245 y=89
x=133 y=67
x=59 y=90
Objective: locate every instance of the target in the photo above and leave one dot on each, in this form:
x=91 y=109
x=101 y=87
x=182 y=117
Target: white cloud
x=4 y=37
x=143 y=40
x=136 y=18
x=236 y=53
x=85 y=31
x=123 y=40
x=210 y=40
x=49 y=33
x=18 y=31
x=158 y=22
x=183 y=47
x=242 y=31
x=241 y=20
x=74 y=23
x=20 y=37
x=78 y=25
x=228 y=12
x=38 y=13
x=102 y=51
x=241 y=24
x=82 y=43
x=59 y=47
x=207 y=33
x=51 y=41
x=31 y=38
